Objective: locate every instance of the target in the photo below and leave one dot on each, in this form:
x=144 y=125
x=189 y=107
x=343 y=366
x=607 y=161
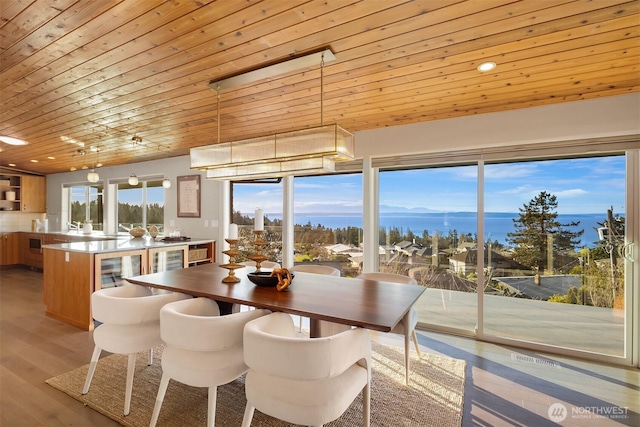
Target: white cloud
x=572 y=192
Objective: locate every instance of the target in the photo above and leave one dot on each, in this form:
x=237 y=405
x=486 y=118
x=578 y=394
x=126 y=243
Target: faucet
x=73 y=226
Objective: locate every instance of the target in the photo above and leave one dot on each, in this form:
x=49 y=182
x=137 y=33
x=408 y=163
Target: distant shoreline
x=497 y=224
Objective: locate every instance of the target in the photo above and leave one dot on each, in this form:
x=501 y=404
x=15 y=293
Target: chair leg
x=415 y=341
x=211 y=411
x=248 y=415
x=131 y=366
x=366 y=405
x=162 y=390
x=92 y=368
x=150 y=362
x=406 y=357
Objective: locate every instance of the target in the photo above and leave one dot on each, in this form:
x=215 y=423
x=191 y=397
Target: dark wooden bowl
x=264 y=279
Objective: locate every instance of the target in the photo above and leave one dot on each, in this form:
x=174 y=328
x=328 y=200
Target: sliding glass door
x=555 y=272
x=428 y=230
x=536 y=253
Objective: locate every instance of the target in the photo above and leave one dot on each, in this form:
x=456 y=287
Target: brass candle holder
x=258 y=257
x=232 y=265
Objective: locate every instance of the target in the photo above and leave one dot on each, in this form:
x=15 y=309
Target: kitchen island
x=73 y=271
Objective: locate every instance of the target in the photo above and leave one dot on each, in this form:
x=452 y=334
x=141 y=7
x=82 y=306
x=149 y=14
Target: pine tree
x=536 y=227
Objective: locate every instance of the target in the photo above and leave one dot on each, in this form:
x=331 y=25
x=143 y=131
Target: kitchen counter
x=126 y=244
x=74 y=270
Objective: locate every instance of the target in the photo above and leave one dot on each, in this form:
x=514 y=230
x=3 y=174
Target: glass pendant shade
x=306 y=151
x=133 y=179
x=93 y=176
x=166 y=183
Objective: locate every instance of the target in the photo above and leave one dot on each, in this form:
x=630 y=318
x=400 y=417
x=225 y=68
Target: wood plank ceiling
x=81 y=75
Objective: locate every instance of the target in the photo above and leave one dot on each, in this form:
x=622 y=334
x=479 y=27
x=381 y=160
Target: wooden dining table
x=369 y=304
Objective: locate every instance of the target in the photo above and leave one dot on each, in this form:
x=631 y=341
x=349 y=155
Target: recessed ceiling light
x=13 y=165
x=486 y=66
x=12 y=141
x=51 y=158
x=72 y=168
x=34 y=161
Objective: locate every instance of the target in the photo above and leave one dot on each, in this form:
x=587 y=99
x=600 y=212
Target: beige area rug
x=434 y=398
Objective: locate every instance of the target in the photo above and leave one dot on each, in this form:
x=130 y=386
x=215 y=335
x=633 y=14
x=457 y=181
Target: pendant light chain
x=218 y=108
x=322 y=90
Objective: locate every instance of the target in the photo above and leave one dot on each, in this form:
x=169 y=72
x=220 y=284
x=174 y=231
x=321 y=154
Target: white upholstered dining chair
x=263 y=264
x=409 y=332
x=315 y=269
x=308 y=381
x=130 y=323
x=203 y=349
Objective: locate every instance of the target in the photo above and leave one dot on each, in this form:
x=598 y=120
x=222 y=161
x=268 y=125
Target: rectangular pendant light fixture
x=283 y=153
x=306 y=151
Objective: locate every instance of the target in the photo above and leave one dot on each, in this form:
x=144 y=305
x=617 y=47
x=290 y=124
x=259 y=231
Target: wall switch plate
x=206 y=222
x=214 y=222
x=66 y=257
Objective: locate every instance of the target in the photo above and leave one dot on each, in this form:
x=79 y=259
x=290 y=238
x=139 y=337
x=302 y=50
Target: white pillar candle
x=259 y=220
x=233 y=231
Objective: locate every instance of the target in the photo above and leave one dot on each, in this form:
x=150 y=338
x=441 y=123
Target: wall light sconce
x=166 y=182
x=133 y=179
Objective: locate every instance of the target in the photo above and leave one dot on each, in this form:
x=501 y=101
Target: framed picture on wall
x=189 y=196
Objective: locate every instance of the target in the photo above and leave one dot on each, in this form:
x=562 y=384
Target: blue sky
x=588 y=185
x=133 y=196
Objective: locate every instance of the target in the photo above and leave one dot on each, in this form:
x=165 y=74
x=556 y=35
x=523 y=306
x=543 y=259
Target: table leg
x=323 y=328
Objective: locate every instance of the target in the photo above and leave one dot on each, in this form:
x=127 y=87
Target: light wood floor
x=505 y=386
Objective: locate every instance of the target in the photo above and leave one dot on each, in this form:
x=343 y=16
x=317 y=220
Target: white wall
x=171 y=168
x=613 y=116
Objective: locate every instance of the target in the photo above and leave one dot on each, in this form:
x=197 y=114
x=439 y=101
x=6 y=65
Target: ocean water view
x=497 y=224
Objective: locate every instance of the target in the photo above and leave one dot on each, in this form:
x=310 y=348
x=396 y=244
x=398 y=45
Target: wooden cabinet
x=23 y=193
x=10 y=192
x=68 y=285
x=9 y=249
x=33 y=192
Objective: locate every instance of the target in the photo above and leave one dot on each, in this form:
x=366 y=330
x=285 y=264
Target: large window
x=246 y=198
x=141 y=205
x=328 y=221
x=86 y=206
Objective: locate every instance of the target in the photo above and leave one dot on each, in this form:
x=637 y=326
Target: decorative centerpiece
x=153 y=231
x=232 y=252
x=232 y=265
x=258 y=257
x=279 y=278
x=259 y=242
x=137 y=232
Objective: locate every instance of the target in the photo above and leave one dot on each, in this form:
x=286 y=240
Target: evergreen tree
x=537 y=222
